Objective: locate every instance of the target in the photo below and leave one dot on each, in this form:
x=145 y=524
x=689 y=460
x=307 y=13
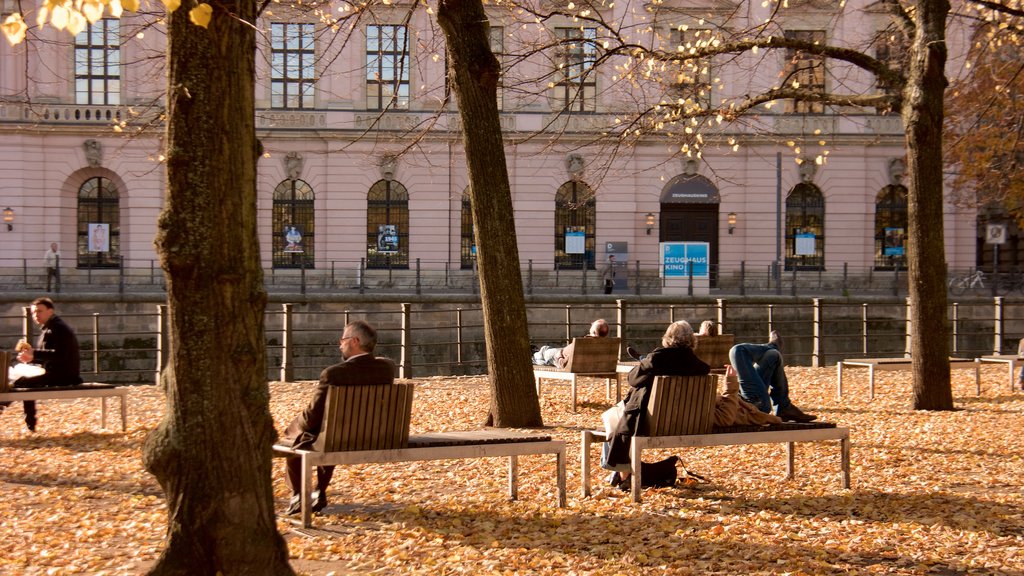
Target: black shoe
x=294 y=505
x=775 y=339
x=632 y=353
x=31 y=425
x=794 y=414
x=319 y=500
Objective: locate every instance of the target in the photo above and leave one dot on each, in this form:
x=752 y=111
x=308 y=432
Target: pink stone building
x=341 y=187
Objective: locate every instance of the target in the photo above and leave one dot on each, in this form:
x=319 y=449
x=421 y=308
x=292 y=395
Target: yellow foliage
x=200 y=15
x=14 y=28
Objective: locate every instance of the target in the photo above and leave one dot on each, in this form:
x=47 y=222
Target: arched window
x=805 y=228
x=468 y=241
x=575 y=226
x=387 y=225
x=293 y=228
x=99 y=224
x=891 y=228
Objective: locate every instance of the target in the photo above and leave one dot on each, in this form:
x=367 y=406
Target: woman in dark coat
x=675 y=357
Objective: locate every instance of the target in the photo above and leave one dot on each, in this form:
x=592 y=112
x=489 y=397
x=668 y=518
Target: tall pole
x=778 y=218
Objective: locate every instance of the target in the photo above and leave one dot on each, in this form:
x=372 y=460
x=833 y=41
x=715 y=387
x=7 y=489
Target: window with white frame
x=98 y=63
x=387 y=67
x=576 y=79
x=292 y=65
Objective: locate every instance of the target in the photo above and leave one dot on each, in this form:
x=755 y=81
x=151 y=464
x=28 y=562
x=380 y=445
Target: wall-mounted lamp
x=731 y=219
x=649 y=220
x=9 y=218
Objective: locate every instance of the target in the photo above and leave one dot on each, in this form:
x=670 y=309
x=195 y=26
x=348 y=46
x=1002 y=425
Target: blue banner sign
x=677 y=259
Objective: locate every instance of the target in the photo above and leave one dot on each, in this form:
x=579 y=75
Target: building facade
x=363 y=165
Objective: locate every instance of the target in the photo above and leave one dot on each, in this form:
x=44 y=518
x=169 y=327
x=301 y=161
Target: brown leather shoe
x=794 y=414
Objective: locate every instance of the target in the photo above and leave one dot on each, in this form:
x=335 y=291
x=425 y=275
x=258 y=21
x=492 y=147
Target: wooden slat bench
x=87 y=390
x=713 y=350
x=592 y=358
x=891 y=364
x=681 y=415
x=370 y=425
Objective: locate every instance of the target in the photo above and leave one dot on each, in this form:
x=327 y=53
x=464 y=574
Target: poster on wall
x=616 y=264
x=892 y=242
x=575 y=240
x=804 y=243
x=387 y=239
x=293 y=240
x=99 y=237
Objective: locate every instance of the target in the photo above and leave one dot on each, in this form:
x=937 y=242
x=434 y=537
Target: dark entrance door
x=693 y=223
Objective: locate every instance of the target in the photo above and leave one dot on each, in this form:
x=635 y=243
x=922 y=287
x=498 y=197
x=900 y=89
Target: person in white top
x=52 y=262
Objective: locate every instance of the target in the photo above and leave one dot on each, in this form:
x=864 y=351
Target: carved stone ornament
x=897 y=170
x=807 y=170
x=388 y=163
x=574 y=165
x=293 y=165
x=691 y=166
x=93 y=153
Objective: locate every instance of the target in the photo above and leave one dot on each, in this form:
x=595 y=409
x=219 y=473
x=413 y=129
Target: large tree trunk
x=212 y=451
x=476 y=72
x=922 y=116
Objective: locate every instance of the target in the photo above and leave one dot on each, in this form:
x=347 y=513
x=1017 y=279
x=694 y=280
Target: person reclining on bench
x=358 y=367
x=763 y=380
x=56 y=350
x=551 y=356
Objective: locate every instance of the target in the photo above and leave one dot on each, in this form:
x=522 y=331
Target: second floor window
x=98 y=63
x=387 y=67
x=292 y=67
x=692 y=81
x=575 y=80
x=805 y=71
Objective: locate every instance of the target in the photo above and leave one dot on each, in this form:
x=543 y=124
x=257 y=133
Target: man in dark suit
x=358 y=367
x=56 y=350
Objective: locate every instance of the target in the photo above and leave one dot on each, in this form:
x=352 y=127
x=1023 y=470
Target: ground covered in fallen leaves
x=932 y=493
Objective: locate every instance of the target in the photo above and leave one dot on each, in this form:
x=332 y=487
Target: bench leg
x=839 y=380
x=513 y=478
x=103 y=412
x=560 y=462
x=305 y=493
x=124 y=412
x=635 y=450
x=573 y=393
x=844 y=451
x=790 y=457
x=586 y=439
x=871 y=382
x=536 y=382
x=977 y=376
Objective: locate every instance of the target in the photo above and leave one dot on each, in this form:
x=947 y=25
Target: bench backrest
x=714 y=350
x=681 y=405
x=593 y=355
x=366 y=418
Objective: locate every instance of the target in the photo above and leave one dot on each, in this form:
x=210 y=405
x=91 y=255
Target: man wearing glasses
x=358 y=367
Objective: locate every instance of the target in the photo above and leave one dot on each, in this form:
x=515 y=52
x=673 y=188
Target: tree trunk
x=922 y=116
x=475 y=73
x=211 y=452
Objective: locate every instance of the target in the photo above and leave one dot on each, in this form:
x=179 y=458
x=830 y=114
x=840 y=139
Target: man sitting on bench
x=763 y=380
x=56 y=350
x=551 y=356
x=358 y=367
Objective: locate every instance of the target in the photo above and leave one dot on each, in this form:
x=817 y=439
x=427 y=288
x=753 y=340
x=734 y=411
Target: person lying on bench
x=551 y=356
x=56 y=350
x=763 y=380
x=675 y=357
x=358 y=367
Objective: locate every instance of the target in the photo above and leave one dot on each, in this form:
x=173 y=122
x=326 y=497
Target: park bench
x=370 y=425
x=713 y=350
x=681 y=414
x=592 y=358
x=87 y=390
x=895 y=364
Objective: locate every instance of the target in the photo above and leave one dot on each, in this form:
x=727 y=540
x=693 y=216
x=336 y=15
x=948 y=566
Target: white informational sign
x=995 y=234
x=575 y=240
x=804 y=244
x=99 y=237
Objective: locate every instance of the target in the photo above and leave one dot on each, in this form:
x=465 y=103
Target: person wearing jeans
x=762 y=378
